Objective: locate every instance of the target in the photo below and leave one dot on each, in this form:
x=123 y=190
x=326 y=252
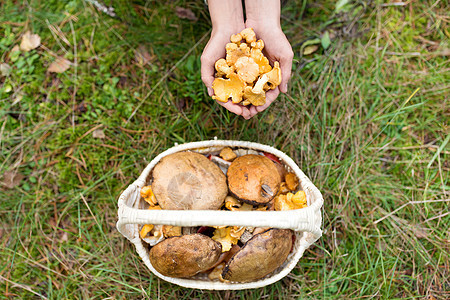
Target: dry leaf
x=5 y=69
x=142 y=56
x=11 y=179
x=15 y=49
x=59 y=65
x=310 y=49
x=185 y=13
x=98 y=134
x=30 y=41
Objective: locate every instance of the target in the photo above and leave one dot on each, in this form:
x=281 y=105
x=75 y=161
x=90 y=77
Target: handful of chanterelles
x=228 y=179
x=245 y=74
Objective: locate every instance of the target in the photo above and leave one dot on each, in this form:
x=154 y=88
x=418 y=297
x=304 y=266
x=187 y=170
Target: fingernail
x=285 y=87
x=210 y=92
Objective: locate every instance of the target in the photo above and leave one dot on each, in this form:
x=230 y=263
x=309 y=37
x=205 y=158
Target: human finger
x=234 y=108
x=270 y=97
x=286 y=67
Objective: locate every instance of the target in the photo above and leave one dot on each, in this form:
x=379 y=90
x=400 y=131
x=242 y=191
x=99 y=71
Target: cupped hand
x=214 y=50
x=276 y=48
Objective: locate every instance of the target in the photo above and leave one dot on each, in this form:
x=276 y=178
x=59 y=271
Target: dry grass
x=367 y=120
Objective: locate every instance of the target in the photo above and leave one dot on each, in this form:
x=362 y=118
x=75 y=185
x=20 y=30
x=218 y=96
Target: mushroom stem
x=259 y=85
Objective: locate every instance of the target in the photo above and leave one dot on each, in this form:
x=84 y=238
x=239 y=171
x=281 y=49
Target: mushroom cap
x=222 y=68
x=185 y=256
x=261 y=255
x=234 y=52
x=257 y=99
x=253 y=179
x=274 y=76
x=188 y=180
x=249 y=35
x=247 y=69
x=261 y=60
x=226 y=88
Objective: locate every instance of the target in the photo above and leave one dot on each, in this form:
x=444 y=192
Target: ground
x=366 y=118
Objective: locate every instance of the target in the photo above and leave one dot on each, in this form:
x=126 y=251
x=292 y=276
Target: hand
x=264 y=17
x=227 y=18
x=214 y=50
x=276 y=48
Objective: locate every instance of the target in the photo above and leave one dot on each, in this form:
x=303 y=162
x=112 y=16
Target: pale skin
x=264 y=17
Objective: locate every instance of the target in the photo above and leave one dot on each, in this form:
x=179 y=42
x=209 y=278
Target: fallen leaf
x=185 y=13
x=310 y=49
x=5 y=70
x=325 y=40
x=11 y=179
x=64 y=237
x=142 y=56
x=15 y=49
x=30 y=41
x=59 y=65
x=98 y=134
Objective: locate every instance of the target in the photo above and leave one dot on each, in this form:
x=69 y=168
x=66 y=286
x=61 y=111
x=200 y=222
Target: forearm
x=226 y=15
x=263 y=13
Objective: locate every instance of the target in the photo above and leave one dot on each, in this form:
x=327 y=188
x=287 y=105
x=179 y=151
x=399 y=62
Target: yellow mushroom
x=259 y=44
x=247 y=69
x=228 y=88
x=291 y=181
x=290 y=201
x=222 y=68
x=223 y=236
x=147 y=194
x=261 y=60
x=249 y=35
x=227 y=154
x=170 y=231
x=234 y=52
x=236 y=38
x=257 y=99
x=147 y=228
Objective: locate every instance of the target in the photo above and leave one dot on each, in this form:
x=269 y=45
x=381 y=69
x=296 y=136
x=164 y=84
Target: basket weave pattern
x=306 y=222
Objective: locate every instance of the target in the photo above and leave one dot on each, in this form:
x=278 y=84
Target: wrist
x=263 y=15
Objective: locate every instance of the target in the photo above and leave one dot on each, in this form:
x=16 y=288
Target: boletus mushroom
x=253 y=179
x=188 y=180
x=185 y=256
x=261 y=255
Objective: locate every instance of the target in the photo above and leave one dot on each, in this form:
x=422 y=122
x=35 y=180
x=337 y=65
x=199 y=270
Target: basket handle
x=304 y=219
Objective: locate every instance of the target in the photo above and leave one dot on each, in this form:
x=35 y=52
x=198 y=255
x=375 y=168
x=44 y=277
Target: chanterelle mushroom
x=247 y=69
x=253 y=179
x=188 y=180
x=261 y=60
x=228 y=88
x=234 y=52
x=274 y=76
x=269 y=80
x=222 y=68
x=256 y=99
x=249 y=35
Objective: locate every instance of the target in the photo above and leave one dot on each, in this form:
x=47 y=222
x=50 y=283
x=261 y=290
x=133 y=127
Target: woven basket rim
x=303 y=241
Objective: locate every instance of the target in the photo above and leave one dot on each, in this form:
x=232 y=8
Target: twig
x=406 y=204
x=22 y=286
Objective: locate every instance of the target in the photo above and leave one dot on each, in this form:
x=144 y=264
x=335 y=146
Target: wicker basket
x=305 y=222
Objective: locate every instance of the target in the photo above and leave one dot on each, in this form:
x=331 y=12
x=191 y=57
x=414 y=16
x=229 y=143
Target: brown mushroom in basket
x=188 y=180
x=253 y=179
x=185 y=256
x=261 y=255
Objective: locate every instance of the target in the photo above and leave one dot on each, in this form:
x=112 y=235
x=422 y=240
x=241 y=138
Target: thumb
x=286 y=67
x=207 y=72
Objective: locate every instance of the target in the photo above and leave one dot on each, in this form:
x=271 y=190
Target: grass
x=366 y=119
